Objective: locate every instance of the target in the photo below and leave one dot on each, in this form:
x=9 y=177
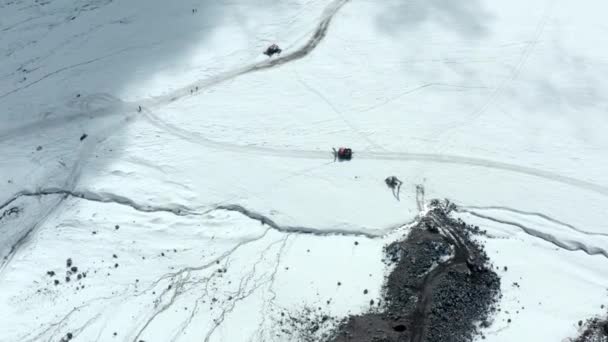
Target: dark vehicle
x=273 y=49
x=394 y=184
x=343 y=153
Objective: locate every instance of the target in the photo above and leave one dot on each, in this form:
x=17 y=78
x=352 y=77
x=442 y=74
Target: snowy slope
x=228 y=203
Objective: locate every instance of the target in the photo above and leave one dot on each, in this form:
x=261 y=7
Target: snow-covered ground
x=219 y=205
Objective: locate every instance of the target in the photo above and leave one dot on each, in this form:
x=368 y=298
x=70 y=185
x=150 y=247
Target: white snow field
x=219 y=205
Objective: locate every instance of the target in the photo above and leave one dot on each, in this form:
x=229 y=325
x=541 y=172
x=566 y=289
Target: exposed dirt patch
x=442 y=287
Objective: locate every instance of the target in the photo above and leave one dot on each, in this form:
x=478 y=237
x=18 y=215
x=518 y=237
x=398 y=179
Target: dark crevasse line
x=27 y=232
x=306 y=230
x=532 y=213
x=572 y=246
x=179 y=210
x=312 y=43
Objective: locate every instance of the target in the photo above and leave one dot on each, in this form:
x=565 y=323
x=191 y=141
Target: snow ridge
x=533 y=213
x=307 y=230
x=570 y=245
x=181 y=210
x=103 y=197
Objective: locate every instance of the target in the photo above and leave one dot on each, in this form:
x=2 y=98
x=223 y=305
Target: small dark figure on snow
x=273 y=49
x=395 y=184
x=139 y=109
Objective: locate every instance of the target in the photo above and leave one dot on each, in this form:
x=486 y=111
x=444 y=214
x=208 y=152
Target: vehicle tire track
x=486 y=163
x=312 y=43
x=197 y=138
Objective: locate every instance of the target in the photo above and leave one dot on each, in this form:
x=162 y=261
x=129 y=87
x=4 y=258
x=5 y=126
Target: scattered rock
x=68 y=263
x=435 y=277
x=594 y=330
x=400 y=328
x=50 y=273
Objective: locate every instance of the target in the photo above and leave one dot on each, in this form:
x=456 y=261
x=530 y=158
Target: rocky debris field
x=594 y=330
x=440 y=288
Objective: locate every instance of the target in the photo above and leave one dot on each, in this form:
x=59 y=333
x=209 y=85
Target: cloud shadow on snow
x=467 y=18
x=66 y=66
